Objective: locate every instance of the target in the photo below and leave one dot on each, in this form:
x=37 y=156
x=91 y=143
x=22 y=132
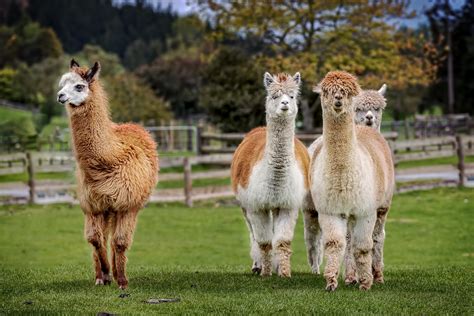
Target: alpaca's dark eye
x=79 y=87
x=291 y=96
x=275 y=96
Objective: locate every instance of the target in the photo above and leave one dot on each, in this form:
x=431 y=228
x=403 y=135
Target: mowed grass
x=433 y=162
x=200 y=255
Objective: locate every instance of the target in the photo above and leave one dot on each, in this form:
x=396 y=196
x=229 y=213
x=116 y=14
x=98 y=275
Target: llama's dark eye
x=79 y=87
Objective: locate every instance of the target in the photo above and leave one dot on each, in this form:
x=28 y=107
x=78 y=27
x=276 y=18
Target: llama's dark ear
x=93 y=72
x=297 y=78
x=267 y=80
x=73 y=64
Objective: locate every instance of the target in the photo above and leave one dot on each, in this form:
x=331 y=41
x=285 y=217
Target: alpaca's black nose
x=369 y=116
x=284 y=102
x=62 y=97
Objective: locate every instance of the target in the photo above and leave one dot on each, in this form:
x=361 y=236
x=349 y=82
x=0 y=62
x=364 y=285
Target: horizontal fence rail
x=33 y=189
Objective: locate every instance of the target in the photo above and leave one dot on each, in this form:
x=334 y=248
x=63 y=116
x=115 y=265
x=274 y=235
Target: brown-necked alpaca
x=117 y=168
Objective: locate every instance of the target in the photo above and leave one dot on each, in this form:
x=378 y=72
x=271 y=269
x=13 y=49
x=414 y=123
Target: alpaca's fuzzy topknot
x=284 y=82
x=369 y=100
x=340 y=80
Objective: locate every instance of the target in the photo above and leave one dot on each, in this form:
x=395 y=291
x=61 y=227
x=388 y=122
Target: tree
x=177 y=79
x=356 y=36
x=232 y=94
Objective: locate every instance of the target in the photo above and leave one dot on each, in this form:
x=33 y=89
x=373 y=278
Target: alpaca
x=352 y=182
x=369 y=105
x=117 y=168
x=269 y=177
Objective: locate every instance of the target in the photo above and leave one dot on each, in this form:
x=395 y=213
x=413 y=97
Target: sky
x=182 y=7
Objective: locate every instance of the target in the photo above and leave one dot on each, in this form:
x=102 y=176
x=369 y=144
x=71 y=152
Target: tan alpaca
x=351 y=181
x=269 y=177
x=117 y=168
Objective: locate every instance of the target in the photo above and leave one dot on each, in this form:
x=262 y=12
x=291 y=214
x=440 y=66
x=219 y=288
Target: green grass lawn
x=200 y=255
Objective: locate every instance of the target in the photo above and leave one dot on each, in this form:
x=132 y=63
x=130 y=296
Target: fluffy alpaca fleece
x=117 y=168
x=369 y=105
x=351 y=181
x=270 y=177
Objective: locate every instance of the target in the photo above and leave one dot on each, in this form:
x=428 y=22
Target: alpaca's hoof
x=315 y=270
x=99 y=282
x=364 y=287
x=331 y=287
x=123 y=283
x=378 y=277
x=256 y=270
x=350 y=280
x=284 y=271
x=107 y=279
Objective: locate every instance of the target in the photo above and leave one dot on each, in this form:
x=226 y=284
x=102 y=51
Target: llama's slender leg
x=362 y=244
x=379 y=239
x=254 y=248
x=284 y=221
x=121 y=241
x=334 y=229
x=261 y=223
x=313 y=239
x=349 y=262
x=95 y=231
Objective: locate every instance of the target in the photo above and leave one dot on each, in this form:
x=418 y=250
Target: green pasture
x=200 y=255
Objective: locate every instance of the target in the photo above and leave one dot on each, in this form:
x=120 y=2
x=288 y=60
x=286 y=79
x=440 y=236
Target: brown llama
x=117 y=168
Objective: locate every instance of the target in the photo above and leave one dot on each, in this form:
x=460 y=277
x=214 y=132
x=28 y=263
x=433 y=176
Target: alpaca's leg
x=334 y=229
x=313 y=239
x=121 y=241
x=261 y=223
x=284 y=221
x=95 y=231
x=362 y=248
x=349 y=262
x=379 y=239
x=254 y=248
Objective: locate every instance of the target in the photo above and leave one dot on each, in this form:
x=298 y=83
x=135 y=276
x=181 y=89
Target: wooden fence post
x=188 y=182
x=461 y=166
x=199 y=143
x=407 y=129
x=31 y=177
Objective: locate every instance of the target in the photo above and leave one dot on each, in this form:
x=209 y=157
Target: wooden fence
x=49 y=191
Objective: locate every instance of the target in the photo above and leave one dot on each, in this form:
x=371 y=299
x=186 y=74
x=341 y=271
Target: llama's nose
x=62 y=97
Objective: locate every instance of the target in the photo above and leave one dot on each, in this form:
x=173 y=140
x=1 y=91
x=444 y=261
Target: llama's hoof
x=256 y=270
x=315 y=270
x=123 y=283
x=331 y=287
x=99 y=282
x=364 y=287
x=350 y=280
x=107 y=279
x=378 y=277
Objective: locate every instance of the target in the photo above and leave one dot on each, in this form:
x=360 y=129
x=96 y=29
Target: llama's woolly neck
x=279 y=148
x=91 y=126
x=339 y=137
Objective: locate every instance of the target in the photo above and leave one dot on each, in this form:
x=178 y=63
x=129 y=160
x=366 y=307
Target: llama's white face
x=74 y=90
x=282 y=95
x=369 y=105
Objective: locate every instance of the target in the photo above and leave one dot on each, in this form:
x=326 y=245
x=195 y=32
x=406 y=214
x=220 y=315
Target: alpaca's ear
x=297 y=78
x=73 y=64
x=317 y=89
x=93 y=72
x=383 y=89
x=267 y=80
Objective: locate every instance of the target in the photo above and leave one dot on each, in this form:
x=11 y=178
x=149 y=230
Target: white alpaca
x=270 y=177
x=369 y=105
x=351 y=180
